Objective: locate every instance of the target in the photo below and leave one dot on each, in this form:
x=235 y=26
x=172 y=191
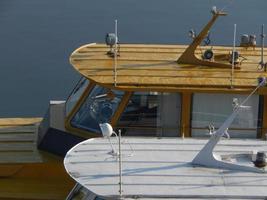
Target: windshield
x=76 y=94
x=99 y=107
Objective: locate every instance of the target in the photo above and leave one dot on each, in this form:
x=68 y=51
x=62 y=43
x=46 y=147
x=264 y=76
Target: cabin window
x=98 y=107
x=214 y=109
x=76 y=94
x=151 y=114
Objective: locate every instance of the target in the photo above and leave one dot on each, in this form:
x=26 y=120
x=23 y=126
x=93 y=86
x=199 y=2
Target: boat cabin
x=167 y=90
x=160 y=90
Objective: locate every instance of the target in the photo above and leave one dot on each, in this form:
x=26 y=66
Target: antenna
x=107 y=132
x=233 y=59
x=115 y=54
x=120 y=166
x=262 y=64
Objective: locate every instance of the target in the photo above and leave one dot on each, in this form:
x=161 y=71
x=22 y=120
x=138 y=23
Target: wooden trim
x=186 y=114
x=4 y=122
x=147 y=127
x=174 y=89
x=121 y=107
x=81 y=100
x=264 y=118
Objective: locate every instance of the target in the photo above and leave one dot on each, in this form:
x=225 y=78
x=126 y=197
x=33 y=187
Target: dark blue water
x=37 y=37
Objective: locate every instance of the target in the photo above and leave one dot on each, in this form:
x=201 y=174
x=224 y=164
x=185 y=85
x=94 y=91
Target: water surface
x=37 y=37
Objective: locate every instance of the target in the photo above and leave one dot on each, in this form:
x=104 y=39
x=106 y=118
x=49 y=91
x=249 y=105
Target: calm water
x=37 y=37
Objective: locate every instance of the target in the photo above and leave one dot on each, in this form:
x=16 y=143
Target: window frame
x=87 y=134
x=71 y=93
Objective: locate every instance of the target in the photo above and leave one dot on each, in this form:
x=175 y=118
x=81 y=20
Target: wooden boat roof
x=154 y=68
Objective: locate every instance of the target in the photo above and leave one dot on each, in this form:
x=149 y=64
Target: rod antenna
x=233 y=59
x=115 y=53
x=120 y=166
x=262 y=63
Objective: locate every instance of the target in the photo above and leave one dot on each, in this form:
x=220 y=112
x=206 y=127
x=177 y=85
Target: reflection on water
x=37 y=37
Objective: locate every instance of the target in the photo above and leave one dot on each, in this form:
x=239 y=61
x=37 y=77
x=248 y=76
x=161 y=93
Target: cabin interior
x=160 y=114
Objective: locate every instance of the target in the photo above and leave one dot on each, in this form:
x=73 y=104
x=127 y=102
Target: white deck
x=161 y=168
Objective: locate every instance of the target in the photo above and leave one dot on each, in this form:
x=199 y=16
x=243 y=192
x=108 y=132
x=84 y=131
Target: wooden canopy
x=155 y=68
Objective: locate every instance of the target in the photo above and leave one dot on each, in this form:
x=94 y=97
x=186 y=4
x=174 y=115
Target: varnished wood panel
x=154 y=67
x=19 y=121
x=186 y=114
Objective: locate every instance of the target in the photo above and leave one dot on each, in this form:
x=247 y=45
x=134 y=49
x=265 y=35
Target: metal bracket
x=189 y=57
x=206 y=157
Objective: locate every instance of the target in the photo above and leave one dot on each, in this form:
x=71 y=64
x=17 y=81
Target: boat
x=174 y=94
x=166 y=101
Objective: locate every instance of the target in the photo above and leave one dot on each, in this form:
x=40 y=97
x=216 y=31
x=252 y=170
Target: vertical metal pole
x=233 y=58
x=262 y=48
x=115 y=54
x=120 y=166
